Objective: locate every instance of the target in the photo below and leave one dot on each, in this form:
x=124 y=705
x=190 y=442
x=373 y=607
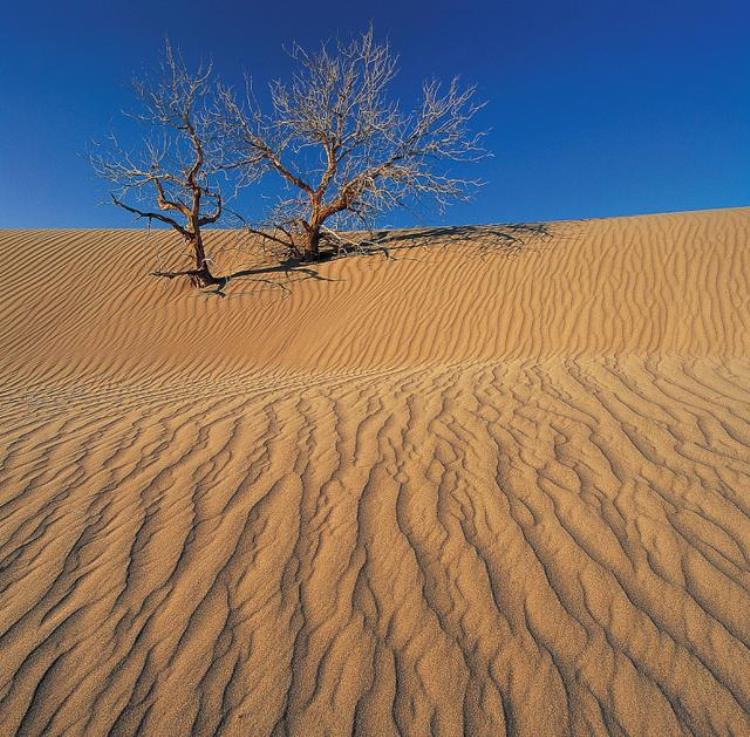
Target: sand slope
x=473 y=489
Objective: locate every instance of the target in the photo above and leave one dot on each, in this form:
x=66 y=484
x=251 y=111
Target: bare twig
x=178 y=165
x=373 y=157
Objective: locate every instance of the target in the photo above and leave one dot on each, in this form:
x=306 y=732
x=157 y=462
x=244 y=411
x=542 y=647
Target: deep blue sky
x=597 y=107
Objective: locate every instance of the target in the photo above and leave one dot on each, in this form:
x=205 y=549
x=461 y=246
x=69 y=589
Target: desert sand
x=480 y=487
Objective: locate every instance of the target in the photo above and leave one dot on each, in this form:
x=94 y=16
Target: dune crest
x=480 y=487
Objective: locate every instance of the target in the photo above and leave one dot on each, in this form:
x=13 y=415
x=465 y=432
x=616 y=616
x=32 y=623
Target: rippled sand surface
x=478 y=488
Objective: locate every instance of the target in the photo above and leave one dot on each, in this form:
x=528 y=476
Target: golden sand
x=471 y=489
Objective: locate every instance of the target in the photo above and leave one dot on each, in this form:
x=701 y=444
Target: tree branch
x=152 y=216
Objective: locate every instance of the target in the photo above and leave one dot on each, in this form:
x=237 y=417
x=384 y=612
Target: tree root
x=198 y=278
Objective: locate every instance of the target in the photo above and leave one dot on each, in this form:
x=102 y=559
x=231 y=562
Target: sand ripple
x=475 y=493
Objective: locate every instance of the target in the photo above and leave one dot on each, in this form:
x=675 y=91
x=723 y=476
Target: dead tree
x=343 y=147
x=176 y=165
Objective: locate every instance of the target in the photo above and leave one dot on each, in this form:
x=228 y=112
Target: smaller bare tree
x=343 y=147
x=176 y=166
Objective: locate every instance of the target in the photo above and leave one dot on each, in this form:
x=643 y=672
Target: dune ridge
x=476 y=488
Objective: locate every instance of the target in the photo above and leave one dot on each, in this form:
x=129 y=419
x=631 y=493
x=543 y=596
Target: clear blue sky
x=597 y=107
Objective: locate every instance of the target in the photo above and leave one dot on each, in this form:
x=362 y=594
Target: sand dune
x=476 y=488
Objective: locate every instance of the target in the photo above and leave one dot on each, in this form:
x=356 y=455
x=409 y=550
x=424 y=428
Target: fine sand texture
x=497 y=483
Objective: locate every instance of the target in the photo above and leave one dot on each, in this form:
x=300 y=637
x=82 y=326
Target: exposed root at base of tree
x=335 y=251
x=199 y=278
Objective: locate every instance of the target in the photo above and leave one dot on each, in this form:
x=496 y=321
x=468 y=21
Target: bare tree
x=177 y=164
x=342 y=146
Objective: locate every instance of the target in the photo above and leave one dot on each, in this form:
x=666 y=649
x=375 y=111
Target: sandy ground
x=477 y=488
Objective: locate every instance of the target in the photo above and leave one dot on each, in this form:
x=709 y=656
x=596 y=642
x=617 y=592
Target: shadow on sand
x=510 y=238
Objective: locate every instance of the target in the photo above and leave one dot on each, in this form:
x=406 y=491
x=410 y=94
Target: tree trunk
x=312 y=243
x=201 y=276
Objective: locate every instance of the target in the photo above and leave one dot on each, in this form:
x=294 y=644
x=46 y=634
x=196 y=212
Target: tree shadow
x=293 y=271
x=511 y=237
